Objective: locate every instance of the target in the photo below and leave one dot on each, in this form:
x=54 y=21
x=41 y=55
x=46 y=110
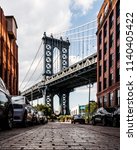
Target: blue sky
x=34 y=17
x=79 y=18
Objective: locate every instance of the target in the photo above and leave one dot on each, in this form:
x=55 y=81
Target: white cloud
x=33 y=18
x=84 y=5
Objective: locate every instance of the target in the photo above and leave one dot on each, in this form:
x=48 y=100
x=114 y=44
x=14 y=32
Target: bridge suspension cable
x=31 y=65
x=31 y=77
x=82 y=44
x=82 y=40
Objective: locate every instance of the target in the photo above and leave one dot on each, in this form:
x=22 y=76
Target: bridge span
x=64 y=82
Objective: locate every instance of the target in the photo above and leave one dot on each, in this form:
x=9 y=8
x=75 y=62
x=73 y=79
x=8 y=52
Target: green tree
x=93 y=107
x=44 y=108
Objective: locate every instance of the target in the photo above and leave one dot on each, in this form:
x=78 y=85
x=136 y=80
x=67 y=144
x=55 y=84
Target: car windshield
x=105 y=110
x=18 y=100
x=77 y=117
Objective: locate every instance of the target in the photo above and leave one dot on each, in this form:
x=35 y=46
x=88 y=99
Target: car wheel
x=104 y=122
x=8 y=124
x=24 y=122
x=93 y=121
x=114 y=122
x=43 y=122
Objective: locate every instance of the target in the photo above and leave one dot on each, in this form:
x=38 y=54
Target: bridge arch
x=56 y=60
x=56 y=52
x=56 y=104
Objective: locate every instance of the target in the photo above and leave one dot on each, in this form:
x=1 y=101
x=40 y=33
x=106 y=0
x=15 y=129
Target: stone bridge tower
x=50 y=44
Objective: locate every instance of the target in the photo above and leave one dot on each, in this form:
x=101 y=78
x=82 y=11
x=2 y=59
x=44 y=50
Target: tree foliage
x=93 y=107
x=44 y=108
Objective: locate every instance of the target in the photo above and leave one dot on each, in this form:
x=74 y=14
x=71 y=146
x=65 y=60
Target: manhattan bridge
x=63 y=61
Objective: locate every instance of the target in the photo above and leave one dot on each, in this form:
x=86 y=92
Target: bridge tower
x=50 y=44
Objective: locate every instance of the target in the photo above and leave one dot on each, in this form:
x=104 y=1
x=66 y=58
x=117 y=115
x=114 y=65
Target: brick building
x=8 y=52
x=108 y=54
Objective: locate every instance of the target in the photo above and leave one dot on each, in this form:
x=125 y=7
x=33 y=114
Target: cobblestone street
x=61 y=136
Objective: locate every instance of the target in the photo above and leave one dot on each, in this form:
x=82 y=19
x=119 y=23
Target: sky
x=34 y=17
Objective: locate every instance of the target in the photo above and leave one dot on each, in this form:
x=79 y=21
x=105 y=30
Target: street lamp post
x=90 y=85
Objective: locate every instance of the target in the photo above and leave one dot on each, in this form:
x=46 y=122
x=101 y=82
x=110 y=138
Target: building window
x=118 y=53
x=111 y=40
x=111 y=99
x=100 y=71
x=105 y=30
x=105 y=101
x=118 y=96
x=111 y=60
x=100 y=37
x=111 y=79
x=111 y=20
x=118 y=9
x=106 y=9
x=118 y=74
x=99 y=86
x=105 y=83
x=105 y=65
x=100 y=102
x=118 y=31
x=100 y=55
x=100 y=19
x=105 y=48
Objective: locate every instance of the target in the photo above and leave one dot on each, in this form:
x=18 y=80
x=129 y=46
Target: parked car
x=116 y=117
x=43 y=118
x=78 y=119
x=103 y=115
x=6 y=108
x=36 y=117
x=22 y=110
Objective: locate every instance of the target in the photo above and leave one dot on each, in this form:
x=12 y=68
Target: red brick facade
x=108 y=54
x=8 y=52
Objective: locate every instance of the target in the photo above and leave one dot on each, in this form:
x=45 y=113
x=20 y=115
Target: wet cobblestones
x=57 y=136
